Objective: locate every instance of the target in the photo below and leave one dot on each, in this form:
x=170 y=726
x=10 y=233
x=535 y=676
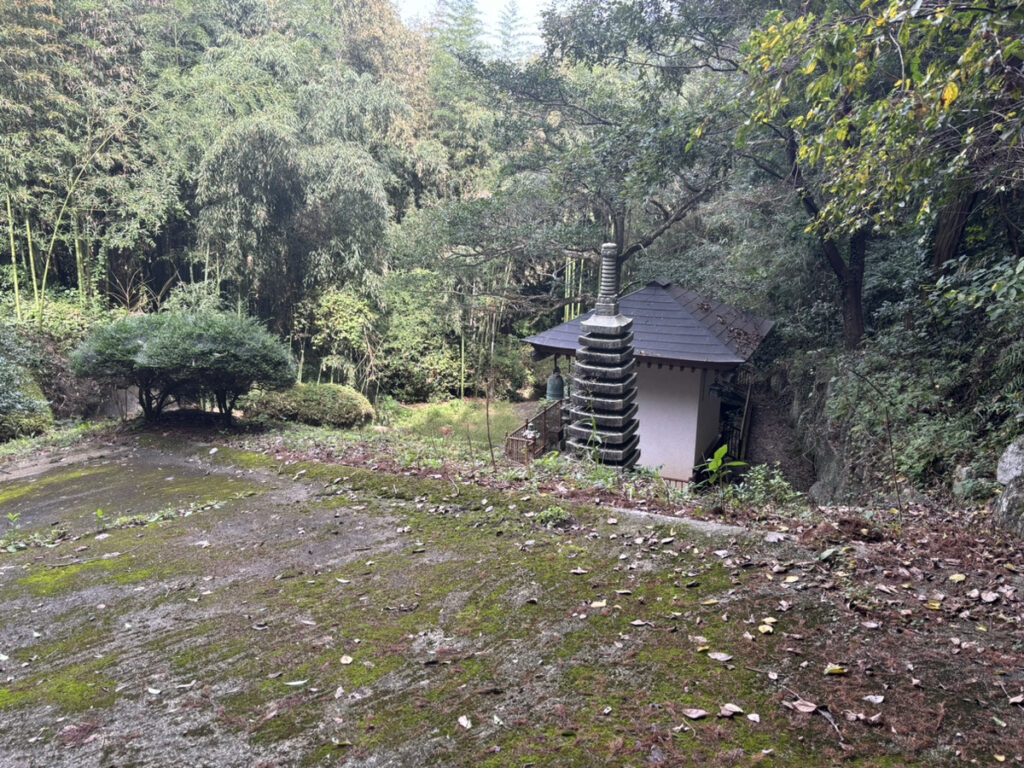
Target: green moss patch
x=71 y=690
x=47 y=582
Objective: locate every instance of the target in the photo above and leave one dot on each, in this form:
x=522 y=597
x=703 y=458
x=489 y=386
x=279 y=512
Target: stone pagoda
x=603 y=407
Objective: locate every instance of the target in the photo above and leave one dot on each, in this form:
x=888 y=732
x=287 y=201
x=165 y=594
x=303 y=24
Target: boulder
x=1011 y=463
x=1008 y=507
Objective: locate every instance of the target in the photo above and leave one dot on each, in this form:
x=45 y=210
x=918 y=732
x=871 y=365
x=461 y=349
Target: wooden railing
x=537 y=436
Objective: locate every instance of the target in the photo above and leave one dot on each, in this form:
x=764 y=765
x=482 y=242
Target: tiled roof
x=673 y=324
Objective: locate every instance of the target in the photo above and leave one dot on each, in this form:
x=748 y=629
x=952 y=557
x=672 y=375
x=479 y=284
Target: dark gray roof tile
x=673 y=324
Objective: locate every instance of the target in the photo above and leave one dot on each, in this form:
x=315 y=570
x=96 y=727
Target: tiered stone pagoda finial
x=603 y=410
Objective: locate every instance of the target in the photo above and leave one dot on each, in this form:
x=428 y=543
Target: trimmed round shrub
x=185 y=355
x=330 y=405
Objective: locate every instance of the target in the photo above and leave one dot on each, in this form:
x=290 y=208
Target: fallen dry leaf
x=802 y=705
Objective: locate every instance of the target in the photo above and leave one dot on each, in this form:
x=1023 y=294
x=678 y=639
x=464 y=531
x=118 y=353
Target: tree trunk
x=853 y=289
x=949 y=229
x=850 y=273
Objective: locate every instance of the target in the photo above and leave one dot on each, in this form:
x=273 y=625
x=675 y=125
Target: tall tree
x=512 y=42
x=681 y=46
x=913 y=108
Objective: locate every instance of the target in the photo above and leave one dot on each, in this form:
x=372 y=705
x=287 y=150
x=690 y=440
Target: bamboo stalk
x=14 y=260
x=567 y=309
x=79 y=260
x=579 y=291
x=64 y=207
x=32 y=265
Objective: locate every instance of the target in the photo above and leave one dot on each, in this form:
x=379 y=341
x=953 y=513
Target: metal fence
x=538 y=435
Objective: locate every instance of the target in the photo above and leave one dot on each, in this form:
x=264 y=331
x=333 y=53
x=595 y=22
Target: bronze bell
x=556 y=386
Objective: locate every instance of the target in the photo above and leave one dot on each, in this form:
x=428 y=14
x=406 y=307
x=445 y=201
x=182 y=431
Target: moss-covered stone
x=71 y=690
x=47 y=582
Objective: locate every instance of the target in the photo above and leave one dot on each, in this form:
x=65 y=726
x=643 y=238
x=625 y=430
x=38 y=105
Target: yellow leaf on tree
x=949 y=94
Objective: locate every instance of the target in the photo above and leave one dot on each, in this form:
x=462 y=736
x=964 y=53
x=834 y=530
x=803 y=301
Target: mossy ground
x=349 y=616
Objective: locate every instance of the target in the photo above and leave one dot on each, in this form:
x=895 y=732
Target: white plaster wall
x=669 y=403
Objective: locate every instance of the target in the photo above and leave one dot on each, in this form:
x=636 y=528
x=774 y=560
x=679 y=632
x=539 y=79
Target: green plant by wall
x=718 y=468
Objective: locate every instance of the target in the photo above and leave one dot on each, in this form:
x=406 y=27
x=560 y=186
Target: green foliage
x=764 y=487
x=718 y=468
x=419 y=356
x=553 y=517
x=909 y=103
x=23 y=408
x=331 y=405
x=455 y=418
x=949 y=382
x=44 y=349
x=345 y=333
x=185 y=355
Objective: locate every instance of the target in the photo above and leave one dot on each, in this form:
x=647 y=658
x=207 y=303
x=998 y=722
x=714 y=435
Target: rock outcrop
x=1008 y=508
